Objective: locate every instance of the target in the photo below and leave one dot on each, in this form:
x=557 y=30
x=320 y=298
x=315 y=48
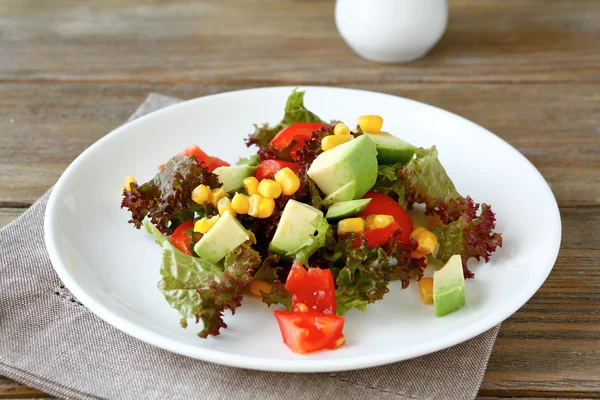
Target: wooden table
x=529 y=70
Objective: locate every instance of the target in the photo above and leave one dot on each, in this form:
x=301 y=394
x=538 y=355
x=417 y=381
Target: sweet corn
x=426 y=290
x=224 y=205
x=201 y=194
x=290 y=183
x=382 y=221
x=266 y=207
x=127 y=183
x=427 y=240
x=251 y=185
x=240 y=203
x=254 y=204
x=341 y=129
x=205 y=224
x=370 y=123
x=257 y=286
x=300 y=307
x=330 y=142
x=369 y=222
x=351 y=225
x=269 y=188
x=216 y=195
x=415 y=233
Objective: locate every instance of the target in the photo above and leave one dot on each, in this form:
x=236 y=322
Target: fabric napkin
x=50 y=341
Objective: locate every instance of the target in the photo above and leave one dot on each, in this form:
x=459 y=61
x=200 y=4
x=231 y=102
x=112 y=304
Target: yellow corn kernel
x=127 y=183
x=351 y=225
x=428 y=242
x=289 y=181
x=341 y=129
x=205 y=224
x=224 y=205
x=370 y=123
x=426 y=290
x=216 y=195
x=269 y=188
x=254 y=204
x=240 y=203
x=300 y=307
x=381 y=221
x=266 y=207
x=201 y=194
x=369 y=222
x=415 y=233
x=257 y=286
x=330 y=142
x=251 y=185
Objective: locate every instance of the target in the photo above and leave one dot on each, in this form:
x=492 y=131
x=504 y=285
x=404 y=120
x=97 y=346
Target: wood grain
x=273 y=41
x=48 y=125
x=551 y=346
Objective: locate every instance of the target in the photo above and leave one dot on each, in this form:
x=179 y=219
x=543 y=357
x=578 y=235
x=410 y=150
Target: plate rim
x=287 y=365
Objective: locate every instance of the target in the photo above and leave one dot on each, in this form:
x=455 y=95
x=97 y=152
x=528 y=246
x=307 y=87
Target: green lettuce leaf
x=389 y=183
x=314 y=243
x=295 y=111
x=251 y=161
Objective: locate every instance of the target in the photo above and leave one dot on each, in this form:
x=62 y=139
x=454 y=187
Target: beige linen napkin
x=50 y=341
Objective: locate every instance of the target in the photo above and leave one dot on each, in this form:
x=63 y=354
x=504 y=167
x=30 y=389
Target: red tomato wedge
x=211 y=162
x=314 y=288
x=305 y=332
x=382 y=204
x=297 y=133
x=267 y=169
x=180 y=239
x=378 y=237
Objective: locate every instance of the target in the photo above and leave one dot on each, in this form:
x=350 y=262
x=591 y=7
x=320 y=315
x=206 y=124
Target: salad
x=318 y=222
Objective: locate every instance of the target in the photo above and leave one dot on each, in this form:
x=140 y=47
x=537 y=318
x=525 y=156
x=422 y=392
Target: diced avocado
x=449 y=287
x=390 y=149
x=294 y=228
x=352 y=162
x=345 y=209
x=345 y=193
x=232 y=177
x=227 y=234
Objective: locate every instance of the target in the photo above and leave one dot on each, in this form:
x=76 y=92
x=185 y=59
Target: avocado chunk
x=294 y=228
x=449 y=287
x=390 y=149
x=353 y=163
x=345 y=209
x=227 y=234
x=232 y=177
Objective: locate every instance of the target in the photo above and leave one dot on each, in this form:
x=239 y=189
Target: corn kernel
x=224 y=205
x=269 y=188
x=216 y=195
x=266 y=207
x=382 y=221
x=240 y=203
x=254 y=204
x=289 y=181
x=300 y=307
x=339 y=342
x=332 y=141
x=251 y=185
x=201 y=194
x=351 y=225
x=415 y=233
x=205 y=224
x=257 y=286
x=370 y=123
x=127 y=183
x=428 y=242
x=341 y=129
x=426 y=290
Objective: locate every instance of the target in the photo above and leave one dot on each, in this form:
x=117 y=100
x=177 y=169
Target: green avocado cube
x=449 y=287
x=227 y=234
x=233 y=177
x=295 y=227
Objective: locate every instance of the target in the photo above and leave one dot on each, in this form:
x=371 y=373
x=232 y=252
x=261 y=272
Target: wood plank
x=287 y=41
x=10 y=389
x=551 y=346
x=48 y=125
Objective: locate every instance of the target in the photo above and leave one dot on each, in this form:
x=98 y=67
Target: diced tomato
x=211 y=162
x=305 y=332
x=379 y=237
x=382 y=204
x=180 y=239
x=297 y=133
x=314 y=288
x=268 y=168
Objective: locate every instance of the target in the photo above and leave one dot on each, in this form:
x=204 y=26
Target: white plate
x=113 y=268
